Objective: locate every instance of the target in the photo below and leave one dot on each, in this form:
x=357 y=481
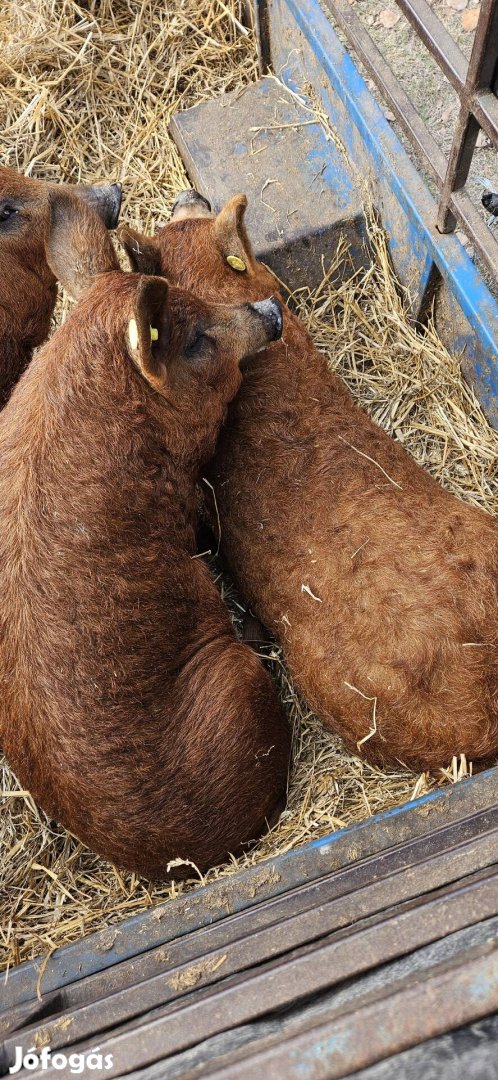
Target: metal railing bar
x=460 y=160
x=483 y=58
x=484 y=105
x=437 y=40
x=383 y=76
x=458 y=207
x=262 y=26
x=452 y=61
x=469 y=218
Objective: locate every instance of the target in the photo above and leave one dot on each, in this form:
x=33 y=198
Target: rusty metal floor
x=372 y=950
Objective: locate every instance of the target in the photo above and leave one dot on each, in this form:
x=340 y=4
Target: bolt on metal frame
x=476 y=83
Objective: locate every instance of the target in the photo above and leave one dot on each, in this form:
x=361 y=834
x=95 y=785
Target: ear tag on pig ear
x=133 y=334
x=236 y=263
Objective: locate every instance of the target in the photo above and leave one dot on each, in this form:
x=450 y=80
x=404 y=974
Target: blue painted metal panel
x=305 y=48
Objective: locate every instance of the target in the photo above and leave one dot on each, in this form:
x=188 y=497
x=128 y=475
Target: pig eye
x=7 y=211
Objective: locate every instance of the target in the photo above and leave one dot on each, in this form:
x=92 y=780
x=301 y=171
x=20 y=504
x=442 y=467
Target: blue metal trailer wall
x=306 y=52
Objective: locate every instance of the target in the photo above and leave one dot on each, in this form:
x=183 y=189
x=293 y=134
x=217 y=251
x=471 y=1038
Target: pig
x=27 y=283
x=128 y=706
x=380 y=586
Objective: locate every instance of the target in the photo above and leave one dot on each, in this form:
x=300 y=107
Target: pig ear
x=232 y=237
x=143 y=254
x=77 y=245
x=148 y=330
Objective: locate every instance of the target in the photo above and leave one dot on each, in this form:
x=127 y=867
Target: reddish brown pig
x=381 y=587
x=129 y=708
x=27 y=282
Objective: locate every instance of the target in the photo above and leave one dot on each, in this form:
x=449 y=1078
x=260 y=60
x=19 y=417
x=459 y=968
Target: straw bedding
x=87 y=91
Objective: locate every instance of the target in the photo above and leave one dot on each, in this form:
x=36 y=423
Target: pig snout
x=190 y=203
x=106 y=200
x=270 y=312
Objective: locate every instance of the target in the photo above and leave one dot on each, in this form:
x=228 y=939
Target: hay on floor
x=87 y=91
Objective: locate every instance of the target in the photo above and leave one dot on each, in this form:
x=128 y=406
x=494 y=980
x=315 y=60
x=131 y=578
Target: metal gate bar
x=475 y=84
x=436 y=38
x=475 y=110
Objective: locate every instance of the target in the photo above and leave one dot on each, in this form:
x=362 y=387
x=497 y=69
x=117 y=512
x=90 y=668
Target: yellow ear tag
x=133 y=334
x=236 y=263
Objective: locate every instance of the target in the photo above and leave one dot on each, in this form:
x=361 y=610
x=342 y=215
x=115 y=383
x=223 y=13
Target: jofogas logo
x=72 y=1063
